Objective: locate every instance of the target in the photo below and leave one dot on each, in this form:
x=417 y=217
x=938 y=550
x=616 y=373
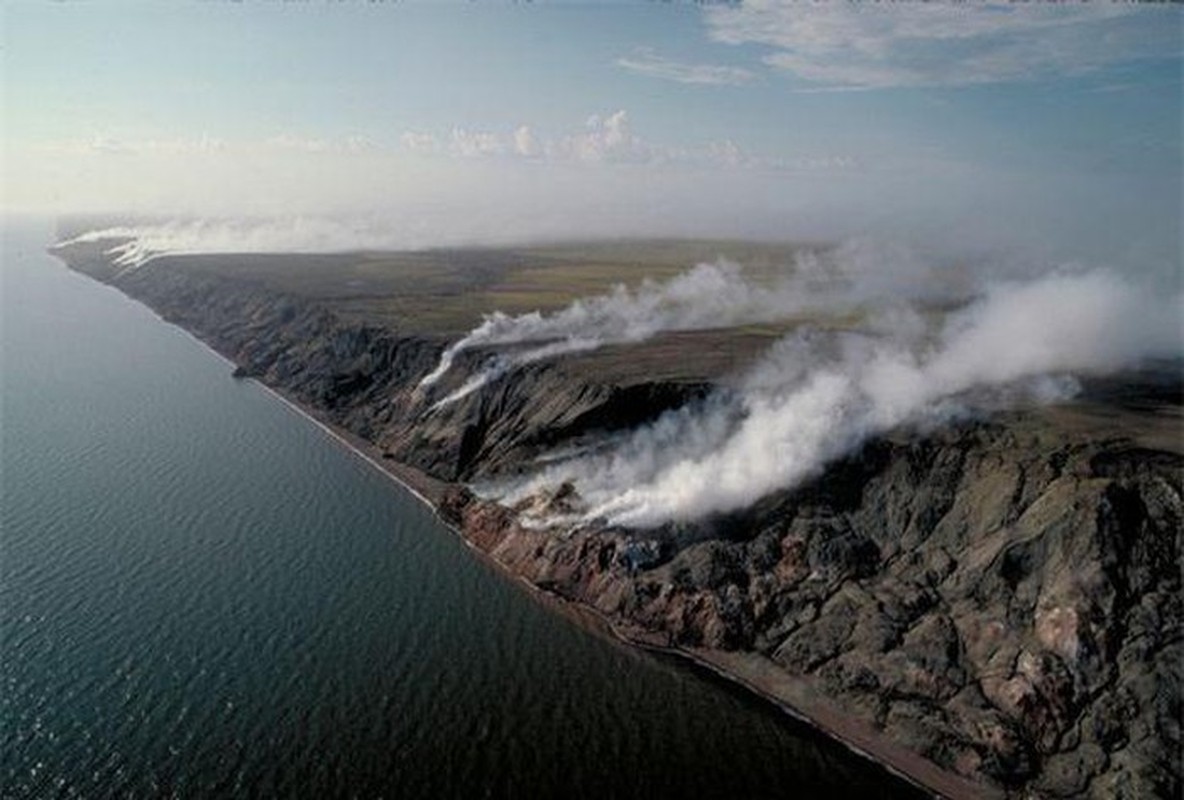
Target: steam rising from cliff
x=816 y=396
x=707 y=296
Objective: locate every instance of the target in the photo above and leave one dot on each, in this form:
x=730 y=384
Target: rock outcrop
x=1001 y=597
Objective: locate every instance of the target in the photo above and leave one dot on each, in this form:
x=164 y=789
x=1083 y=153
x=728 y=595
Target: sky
x=1037 y=126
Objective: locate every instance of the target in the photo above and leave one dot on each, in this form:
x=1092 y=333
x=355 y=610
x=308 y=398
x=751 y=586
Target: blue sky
x=984 y=121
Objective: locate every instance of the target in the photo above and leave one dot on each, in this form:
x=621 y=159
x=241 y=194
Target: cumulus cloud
x=604 y=139
x=417 y=142
x=817 y=396
x=608 y=138
x=874 y=45
x=526 y=144
x=647 y=62
x=727 y=152
x=476 y=144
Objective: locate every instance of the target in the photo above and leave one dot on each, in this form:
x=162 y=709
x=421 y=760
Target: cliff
x=992 y=607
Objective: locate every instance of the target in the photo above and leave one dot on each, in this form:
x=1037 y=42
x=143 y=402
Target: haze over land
x=1040 y=128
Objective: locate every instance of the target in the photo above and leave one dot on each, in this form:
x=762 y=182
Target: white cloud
x=419 y=142
x=647 y=62
x=102 y=144
x=526 y=144
x=609 y=138
x=358 y=144
x=476 y=144
x=877 y=45
x=602 y=140
x=727 y=152
x=603 y=179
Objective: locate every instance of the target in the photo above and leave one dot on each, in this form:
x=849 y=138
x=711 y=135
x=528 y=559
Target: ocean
x=204 y=595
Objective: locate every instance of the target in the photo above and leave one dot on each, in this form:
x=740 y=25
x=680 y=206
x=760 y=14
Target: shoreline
x=750 y=672
x=738 y=669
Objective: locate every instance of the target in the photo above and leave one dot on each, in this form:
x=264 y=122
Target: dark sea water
x=201 y=595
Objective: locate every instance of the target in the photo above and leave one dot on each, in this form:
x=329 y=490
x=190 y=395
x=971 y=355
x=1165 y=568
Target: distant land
x=986 y=597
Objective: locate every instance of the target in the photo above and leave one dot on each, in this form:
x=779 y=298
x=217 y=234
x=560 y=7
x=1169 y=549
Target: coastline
x=750 y=672
x=881 y=604
x=753 y=673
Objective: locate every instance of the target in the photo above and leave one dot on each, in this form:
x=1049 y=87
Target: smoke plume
x=814 y=396
x=707 y=296
x=139 y=244
x=817 y=396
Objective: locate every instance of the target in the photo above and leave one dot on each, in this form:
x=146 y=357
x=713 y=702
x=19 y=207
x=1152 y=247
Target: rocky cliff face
x=1001 y=597
x=1003 y=602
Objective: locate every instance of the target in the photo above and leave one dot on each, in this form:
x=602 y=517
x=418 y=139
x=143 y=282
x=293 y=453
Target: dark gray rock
x=1002 y=596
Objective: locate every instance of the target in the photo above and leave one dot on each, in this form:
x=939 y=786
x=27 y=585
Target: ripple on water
x=202 y=596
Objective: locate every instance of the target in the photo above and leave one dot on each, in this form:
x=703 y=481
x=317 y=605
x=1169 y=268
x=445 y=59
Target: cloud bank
x=521 y=183
x=604 y=139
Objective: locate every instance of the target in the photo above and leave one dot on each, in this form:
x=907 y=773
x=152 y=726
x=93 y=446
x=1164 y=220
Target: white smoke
x=803 y=406
x=812 y=399
x=707 y=296
x=499 y=365
x=139 y=244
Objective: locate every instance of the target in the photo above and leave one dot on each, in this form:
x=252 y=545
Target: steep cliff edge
x=994 y=606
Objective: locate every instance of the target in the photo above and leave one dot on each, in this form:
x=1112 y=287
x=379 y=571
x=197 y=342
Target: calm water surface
x=201 y=595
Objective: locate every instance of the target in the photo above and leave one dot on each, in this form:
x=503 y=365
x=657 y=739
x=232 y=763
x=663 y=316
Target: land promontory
x=991 y=606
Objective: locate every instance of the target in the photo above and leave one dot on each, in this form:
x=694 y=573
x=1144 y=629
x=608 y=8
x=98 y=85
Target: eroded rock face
x=1034 y=644
x=1002 y=596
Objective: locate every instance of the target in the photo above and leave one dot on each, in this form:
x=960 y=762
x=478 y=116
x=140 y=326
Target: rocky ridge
x=1000 y=598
